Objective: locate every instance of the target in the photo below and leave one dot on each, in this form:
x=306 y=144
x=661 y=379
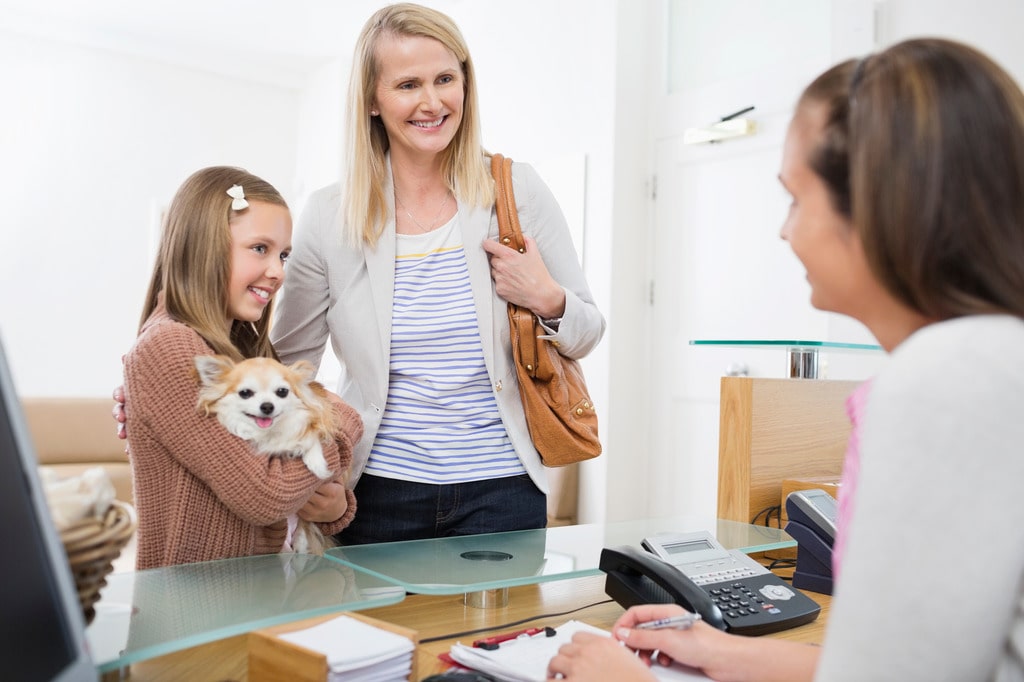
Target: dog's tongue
x=264 y=422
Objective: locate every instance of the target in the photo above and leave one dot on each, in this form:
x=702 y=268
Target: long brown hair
x=193 y=265
x=924 y=146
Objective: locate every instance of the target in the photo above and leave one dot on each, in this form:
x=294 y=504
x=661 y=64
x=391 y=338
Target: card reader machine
x=812 y=523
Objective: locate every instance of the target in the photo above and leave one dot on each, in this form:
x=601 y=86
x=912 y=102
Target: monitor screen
x=43 y=631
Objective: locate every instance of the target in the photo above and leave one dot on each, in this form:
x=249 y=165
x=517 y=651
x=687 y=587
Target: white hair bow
x=237 y=195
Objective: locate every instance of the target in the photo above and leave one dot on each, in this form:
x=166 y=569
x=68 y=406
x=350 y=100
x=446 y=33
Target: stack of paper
x=526 y=659
x=357 y=651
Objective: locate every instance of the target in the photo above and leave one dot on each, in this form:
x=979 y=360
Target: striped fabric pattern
x=441 y=423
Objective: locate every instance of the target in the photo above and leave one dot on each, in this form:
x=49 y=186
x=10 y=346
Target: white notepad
x=356 y=650
x=526 y=659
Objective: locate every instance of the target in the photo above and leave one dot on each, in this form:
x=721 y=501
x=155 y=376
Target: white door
x=720 y=270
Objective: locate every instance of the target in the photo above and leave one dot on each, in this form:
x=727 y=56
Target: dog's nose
x=266 y=408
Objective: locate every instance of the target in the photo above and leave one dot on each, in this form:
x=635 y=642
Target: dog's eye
x=245 y=393
x=282 y=393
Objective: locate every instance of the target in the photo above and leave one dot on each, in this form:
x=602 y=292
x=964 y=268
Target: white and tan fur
x=280 y=410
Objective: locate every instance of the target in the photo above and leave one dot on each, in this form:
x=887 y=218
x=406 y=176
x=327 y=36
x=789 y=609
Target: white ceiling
x=273 y=41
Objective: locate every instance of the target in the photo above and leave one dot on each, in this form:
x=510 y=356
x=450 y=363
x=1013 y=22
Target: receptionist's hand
x=593 y=658
x=679 y=645
x=720 y=655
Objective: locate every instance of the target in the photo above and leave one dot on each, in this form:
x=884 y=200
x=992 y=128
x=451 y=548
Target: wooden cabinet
x=776 y=429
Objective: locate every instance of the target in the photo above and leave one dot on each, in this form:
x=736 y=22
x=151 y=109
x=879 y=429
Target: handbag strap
x=521 y=321
x=509 y=231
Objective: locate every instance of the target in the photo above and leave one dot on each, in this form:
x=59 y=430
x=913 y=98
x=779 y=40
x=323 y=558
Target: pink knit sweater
x=202 y=493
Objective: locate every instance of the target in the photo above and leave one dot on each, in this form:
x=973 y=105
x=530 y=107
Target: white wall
x=989 y=25
x=94 y=144
x=717 y=253
x=95 y=141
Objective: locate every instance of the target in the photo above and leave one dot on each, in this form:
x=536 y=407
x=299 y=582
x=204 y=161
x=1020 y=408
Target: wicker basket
x=92 y=545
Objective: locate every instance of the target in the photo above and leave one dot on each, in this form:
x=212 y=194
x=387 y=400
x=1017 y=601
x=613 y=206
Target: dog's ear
x=305 y=370
x=210 y=369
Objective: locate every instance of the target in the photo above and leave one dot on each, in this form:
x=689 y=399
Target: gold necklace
x=433 y=223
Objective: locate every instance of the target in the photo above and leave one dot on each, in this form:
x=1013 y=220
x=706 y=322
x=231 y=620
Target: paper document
x=356 y=650
x=526 y=660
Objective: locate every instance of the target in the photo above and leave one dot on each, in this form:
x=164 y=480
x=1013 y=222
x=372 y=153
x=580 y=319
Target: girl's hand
x=329 y=502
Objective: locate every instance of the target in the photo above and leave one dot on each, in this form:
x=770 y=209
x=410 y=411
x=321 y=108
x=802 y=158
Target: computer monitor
x=43 y=630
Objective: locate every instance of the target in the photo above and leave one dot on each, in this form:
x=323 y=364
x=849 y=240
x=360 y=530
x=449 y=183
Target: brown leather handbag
x=559 y=411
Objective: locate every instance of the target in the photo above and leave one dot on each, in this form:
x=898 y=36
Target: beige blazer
x=343 y=293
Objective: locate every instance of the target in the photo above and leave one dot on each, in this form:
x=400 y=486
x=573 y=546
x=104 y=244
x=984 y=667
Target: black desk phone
x=727 y=588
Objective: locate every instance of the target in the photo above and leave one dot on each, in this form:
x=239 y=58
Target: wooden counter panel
x=771 y=430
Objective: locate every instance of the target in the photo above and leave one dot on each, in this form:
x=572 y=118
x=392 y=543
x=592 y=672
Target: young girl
x=202 y=493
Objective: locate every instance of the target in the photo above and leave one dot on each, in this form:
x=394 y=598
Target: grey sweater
x=932 y=585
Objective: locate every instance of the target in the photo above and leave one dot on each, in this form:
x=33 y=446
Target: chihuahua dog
x=280 y=410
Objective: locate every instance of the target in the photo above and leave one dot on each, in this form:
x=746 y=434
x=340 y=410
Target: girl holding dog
x=906 y=170
x=202 y=493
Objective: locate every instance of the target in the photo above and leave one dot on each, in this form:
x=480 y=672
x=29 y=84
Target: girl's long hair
x=193 y=265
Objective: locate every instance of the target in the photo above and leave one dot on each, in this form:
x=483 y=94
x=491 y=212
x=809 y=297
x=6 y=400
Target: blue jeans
x=389 y=510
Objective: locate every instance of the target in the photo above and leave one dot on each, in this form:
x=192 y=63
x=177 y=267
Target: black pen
x=683 y=622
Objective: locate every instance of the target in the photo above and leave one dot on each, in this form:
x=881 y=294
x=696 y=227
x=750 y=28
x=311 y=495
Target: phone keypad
x=736 y=600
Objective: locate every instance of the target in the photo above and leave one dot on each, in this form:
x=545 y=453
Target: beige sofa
x=73 y=434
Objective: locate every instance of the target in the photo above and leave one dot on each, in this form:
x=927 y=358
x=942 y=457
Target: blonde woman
x=399 y=267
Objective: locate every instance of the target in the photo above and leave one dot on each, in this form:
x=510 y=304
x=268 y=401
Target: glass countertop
x=144 y=614
x=792 y=343
x=473 y=563
x=802 y=356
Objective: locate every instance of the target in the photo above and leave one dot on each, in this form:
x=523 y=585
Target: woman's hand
x=329 y=502
x=592 y=658
x=718 y=654
x=524 y=280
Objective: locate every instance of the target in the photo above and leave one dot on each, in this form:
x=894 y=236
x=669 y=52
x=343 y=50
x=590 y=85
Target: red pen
x=492 y=643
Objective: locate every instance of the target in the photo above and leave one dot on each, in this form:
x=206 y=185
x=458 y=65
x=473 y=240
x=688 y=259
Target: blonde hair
x=365 y=208
x=193 y=265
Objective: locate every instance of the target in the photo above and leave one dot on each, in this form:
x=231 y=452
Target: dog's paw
x=318 y=467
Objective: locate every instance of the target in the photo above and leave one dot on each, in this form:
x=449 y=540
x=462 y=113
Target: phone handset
x=639 y=577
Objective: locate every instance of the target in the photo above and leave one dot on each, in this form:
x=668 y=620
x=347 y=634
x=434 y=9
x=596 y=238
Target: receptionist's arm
x=722 y=656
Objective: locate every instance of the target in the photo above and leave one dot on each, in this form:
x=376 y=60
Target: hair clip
x=237 y=195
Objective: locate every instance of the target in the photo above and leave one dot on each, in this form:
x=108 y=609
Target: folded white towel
x=77 y=497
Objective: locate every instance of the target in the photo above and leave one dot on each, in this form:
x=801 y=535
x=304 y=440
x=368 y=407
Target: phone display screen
x=684 y=547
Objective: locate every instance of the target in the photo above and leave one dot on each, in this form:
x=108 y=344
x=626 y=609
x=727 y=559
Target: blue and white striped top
x=441 y=422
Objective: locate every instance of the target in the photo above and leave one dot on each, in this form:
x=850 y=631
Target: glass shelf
x=476 y=563
x=801 y=356
x=144 y=614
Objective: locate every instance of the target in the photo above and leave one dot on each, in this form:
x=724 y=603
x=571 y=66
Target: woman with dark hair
x=906 y=171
